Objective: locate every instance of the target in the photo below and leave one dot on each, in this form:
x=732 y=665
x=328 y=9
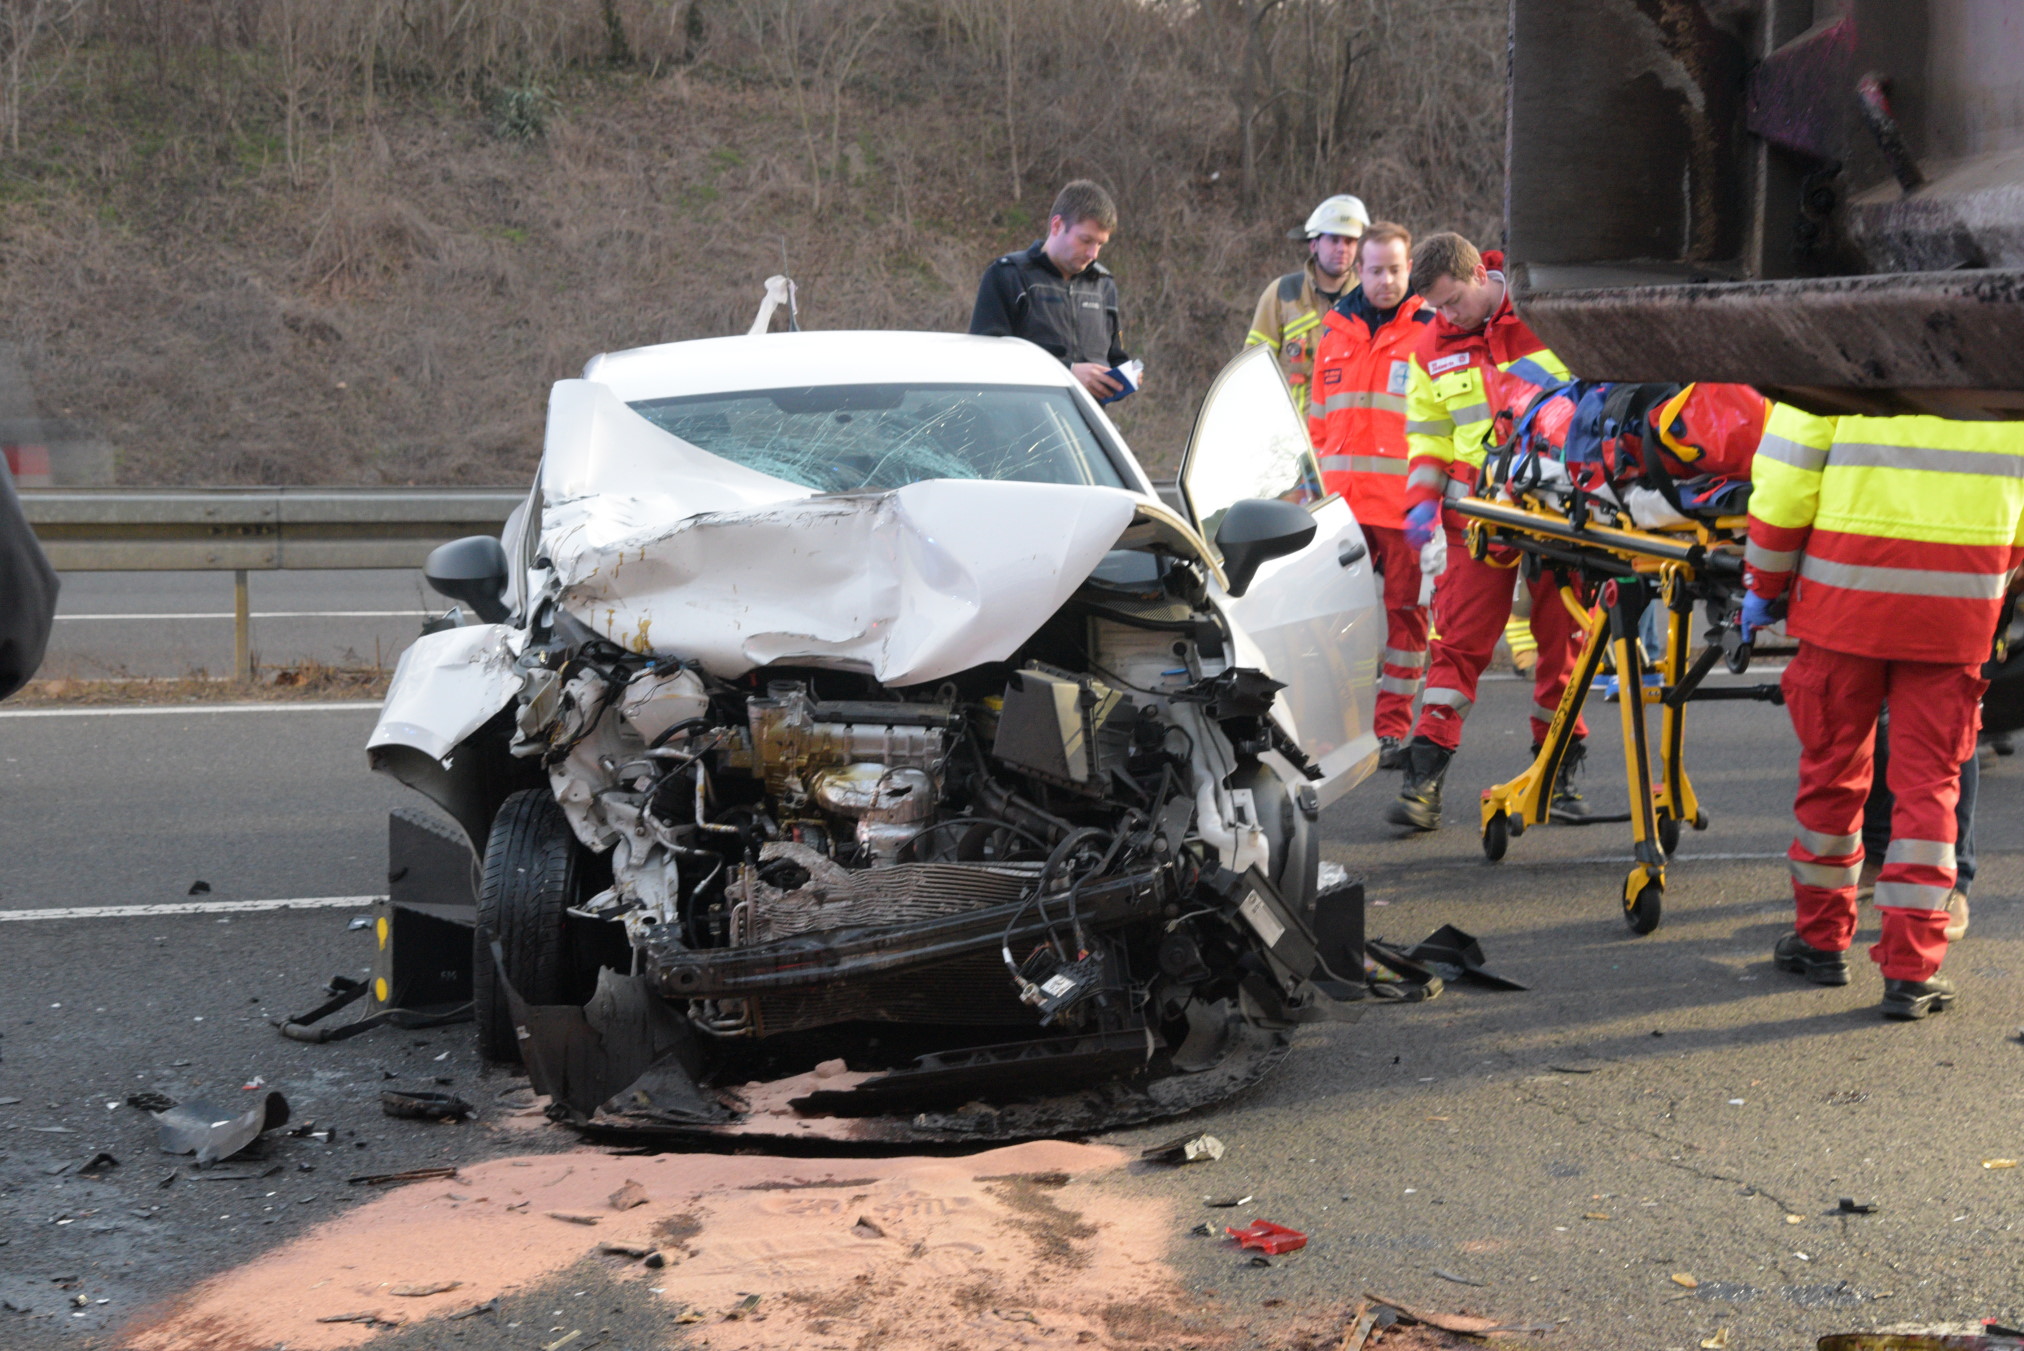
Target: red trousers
x=1405 y=635
x=1472 y=603
x=1834 y=699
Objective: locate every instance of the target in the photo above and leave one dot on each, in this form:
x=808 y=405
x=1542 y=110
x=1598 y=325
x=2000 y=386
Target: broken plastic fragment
x=1268 y=1237
x=212 y=1133
x=626 y=1197
x=1188 y=1149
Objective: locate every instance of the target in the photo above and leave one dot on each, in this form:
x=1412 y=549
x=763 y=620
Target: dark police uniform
x=1074 y=318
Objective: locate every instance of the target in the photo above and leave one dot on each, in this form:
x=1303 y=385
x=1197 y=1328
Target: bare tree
x=29 y=30
x=813 y=47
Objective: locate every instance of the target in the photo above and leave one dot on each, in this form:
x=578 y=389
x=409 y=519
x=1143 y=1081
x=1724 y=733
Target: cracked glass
x=874 y=438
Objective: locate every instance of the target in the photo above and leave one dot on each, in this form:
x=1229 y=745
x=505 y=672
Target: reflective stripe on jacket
x=1460 y=382
x=1288 y=319
x=1903 y=532
x=1357 y=413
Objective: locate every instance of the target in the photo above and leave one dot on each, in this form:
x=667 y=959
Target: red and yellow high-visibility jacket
x=1902 y=532
x=1356 y=415
x=1460 y=384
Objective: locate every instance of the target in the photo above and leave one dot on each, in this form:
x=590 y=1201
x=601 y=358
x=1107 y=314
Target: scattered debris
x=1463 y=1323
x=568 y=1218
x=1203 y=1230
x=1595 y=1215
x=1225 y=1202
x=358 y=922
x=1716 y=1342
x=415 y=1105
x=1458 y=1280
x=562 y=1341
x=1361 y=1320
x=626 y=1197
x=99 y=1165
x=372 y=1319
x=213 y=1133
x=632 y=1250
x=170 y=1180
x=1999 y=1163
x=1398 y=976
x=1947 y=1337
x=867 y=1228
x=1684 y=1281
x=150 y=1102
x=411 y=1175
x=655 y=1260
x=742 y=1308
x=1850 y=1206
x=489 y=1306
x=1257 y=1261
x=428 y=1288
x=1268 y=1237
x=1188 y=1149
x=1453 y=955
x=199 y=888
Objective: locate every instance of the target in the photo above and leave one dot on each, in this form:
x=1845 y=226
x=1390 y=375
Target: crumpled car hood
x=663 y=547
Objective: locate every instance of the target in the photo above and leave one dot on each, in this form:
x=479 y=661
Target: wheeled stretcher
x=1608 y=573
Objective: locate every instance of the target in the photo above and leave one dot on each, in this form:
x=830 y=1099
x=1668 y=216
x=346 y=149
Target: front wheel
x=1669 y=835
x=1496 y=837
x=534 y=871
x=1642 y=912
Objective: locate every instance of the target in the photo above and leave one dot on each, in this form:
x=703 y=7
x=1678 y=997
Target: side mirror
x=1255 y=531
x=472 y=571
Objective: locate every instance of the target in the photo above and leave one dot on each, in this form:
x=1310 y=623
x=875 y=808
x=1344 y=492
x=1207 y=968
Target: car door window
x=1249 y=441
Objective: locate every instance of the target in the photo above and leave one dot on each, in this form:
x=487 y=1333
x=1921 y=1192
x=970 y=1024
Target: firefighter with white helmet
x=1289 y=313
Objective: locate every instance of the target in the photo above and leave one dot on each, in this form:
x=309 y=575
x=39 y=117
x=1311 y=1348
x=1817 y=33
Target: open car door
x=1314 y=615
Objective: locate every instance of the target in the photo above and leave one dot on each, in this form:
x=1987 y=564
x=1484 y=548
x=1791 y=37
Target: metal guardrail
x=241 y=530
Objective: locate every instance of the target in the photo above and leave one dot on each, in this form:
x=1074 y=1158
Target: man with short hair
x=1357 y=421
x=1477 y=368
x=1057 y=296
x=1289 y=313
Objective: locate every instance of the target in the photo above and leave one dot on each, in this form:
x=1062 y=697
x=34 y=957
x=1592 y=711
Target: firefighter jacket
x=1467 y=388
x=1071 y=318
x=1897 y=536
x=1288 y=320
x=1357 y=413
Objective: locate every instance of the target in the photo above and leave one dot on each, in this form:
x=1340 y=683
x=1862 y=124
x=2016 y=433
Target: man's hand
x=1423 y=523
x=1099 y=385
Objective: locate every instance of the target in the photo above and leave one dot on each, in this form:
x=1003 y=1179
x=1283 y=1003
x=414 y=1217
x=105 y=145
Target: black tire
x=534 y=870
x=1669 y=835
x=1643 y=913
x=1496 y=837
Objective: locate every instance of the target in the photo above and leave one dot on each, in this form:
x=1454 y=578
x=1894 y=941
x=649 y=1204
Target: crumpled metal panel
x=447 y=685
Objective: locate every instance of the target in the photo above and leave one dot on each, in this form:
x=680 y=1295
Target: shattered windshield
x=856 y=438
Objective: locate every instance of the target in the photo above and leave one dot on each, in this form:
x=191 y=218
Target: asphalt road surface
x=1649 y=1107
x=173 y=624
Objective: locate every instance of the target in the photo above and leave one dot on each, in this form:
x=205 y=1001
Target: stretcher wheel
x=1642 y=912
x=1496 y=836
x=1669 y=834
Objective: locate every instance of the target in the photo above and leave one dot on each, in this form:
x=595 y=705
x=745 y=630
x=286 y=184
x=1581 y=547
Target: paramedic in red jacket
x=1356 y=416
x=1476 y=369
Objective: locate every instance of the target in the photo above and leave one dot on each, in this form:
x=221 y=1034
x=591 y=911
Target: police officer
x=1289 y=314
x=1056 y=295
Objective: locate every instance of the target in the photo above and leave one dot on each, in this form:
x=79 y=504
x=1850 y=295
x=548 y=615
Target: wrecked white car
x=858 y=746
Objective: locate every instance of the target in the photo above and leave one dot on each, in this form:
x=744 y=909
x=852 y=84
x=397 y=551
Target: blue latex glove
x=1758 y=613
x=1421 y=523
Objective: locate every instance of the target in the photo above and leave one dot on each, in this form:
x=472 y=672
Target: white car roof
x=827 y=357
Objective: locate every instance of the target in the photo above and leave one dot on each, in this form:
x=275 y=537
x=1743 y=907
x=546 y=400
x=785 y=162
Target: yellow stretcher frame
x=1623 y=568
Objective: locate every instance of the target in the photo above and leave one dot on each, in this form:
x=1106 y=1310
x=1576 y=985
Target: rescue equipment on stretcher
x=1645 y=501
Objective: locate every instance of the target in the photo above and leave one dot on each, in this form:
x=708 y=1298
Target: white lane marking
x=132 y=710
x=270 y=614
x=194 y=908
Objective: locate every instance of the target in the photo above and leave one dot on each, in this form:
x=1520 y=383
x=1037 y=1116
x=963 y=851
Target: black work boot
x=1419 y=800
x=1391 y=752
x=1567 y=802
x=1906 y=1000
x=1796 y=955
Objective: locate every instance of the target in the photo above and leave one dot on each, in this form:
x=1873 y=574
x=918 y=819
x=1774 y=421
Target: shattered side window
x=858 y=438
